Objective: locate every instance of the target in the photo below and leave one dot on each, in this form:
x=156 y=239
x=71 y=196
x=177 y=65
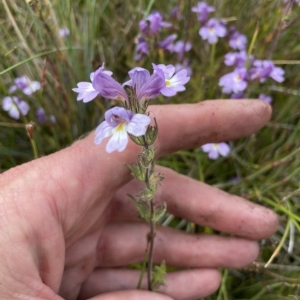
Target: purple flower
x=41 y=115
x=52 y=119
x=236 y=59
x=237 y=41
x=184 y=65
x=180 y=47
x=212 y=30
x=236 y=96
x=202 y=9
x=292 y=1
x=175 y=13
x=174 y=82
x=24 y=84
x=167 y=43
x=153 y=23
x=234 y=82
x=15 y=107
x=141 y=48
x=146 y=87
x=64 y=32
x=266 y=98
x=108 y=87
x=118 y=122
x=264 y=69
x=214 y=150
x=101 y=84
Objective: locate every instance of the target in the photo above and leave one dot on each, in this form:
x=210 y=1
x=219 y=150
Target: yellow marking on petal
x=215 y=146
x=168 y=82
x=238 y=78
x=120 y=127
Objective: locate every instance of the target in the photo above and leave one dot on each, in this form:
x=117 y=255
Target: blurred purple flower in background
x=175 y=13
x=203 y=9
x=167 y=43
x=153 y=23
x=24 y=84
x=15 y=107
x=142 y=48
x=185 y=65
x=41 y=115
x=118 y=122
x=215 y=150
x=234 y=82
x=265 y=68
x=236 y=96
x=174 y=82
x=266 y=98
x=292 y=1
x=64 y=32
x=236 y=59
x=180 y=47
x=237 y=41
x=212 y=30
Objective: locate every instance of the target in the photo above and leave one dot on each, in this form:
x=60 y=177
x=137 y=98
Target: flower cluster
x=150 y=37
x=236 y=82
x=134 y=95
x=212 y=29
x=14 y=105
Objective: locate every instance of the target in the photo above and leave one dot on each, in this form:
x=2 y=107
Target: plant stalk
x=151 y=241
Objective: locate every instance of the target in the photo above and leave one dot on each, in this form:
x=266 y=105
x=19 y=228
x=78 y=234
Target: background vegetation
x=263 y=168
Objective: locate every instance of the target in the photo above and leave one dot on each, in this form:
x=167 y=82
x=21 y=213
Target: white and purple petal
x=103 y=130
x=86 y=91
x=119 y=139
x=138 y=124
x=223 y=149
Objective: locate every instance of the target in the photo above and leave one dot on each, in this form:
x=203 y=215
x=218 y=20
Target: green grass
x=268 y=162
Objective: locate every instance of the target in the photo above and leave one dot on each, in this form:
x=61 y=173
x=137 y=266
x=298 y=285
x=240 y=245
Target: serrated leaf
x=159 y=211
x=144 y=210
x=158 y=276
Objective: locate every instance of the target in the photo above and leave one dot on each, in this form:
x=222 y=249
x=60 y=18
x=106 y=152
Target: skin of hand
x=68 y=229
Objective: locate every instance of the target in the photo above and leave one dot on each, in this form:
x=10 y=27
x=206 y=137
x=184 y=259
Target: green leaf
x=159 y=211
x=158 y=277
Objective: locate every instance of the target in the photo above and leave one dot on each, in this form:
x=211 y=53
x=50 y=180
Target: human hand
x=69 y=229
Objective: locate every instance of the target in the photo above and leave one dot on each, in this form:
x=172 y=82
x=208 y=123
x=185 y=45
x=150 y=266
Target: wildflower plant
x=131 y=121
x=246 y=50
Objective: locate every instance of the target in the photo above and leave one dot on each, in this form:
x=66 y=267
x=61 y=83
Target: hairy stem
x=151 y=240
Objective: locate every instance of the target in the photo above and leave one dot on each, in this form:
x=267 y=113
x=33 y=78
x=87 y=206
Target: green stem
x=152 y=227
x=212 y=59
x=285 y=234
x=34 y=148
x=223 y=292
x=151 y=239
x=272 y=165
x=143 y=267
x=147 y=11
x=251 y=47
